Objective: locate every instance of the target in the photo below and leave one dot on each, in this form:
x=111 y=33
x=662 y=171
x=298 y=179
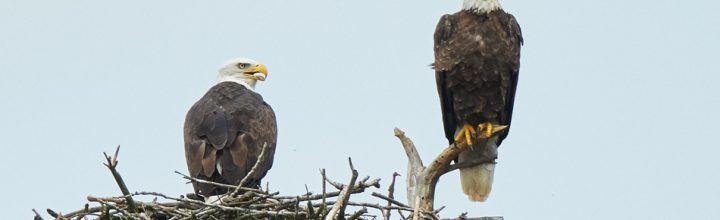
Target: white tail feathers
x=214 y=200
x=477 y=181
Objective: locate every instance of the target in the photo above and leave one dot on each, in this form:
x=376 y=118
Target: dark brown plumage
x=477 y=59
x=224 y=134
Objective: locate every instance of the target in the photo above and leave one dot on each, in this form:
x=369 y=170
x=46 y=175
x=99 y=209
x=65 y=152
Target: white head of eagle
x=481 y=6
x=243 y=71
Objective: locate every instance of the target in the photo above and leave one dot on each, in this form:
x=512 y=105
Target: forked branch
x=112 y=165
x=421 y=180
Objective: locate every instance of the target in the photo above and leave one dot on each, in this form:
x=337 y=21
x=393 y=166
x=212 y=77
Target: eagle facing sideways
x=227 y=128
x=477 y=60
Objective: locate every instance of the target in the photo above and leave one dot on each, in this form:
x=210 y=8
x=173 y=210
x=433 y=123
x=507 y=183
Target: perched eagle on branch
x=477 y=60
x=227 y=128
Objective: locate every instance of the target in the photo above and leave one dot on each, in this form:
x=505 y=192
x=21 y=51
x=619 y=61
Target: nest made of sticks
x=247 y=203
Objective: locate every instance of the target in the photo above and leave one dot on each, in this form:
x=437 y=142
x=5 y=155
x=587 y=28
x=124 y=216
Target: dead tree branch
x=421 y=180
x=338 y=210
x=228 y=186
x=112 y=165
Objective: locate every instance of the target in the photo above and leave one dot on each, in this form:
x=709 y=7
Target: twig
x=112 y=165
x=468 y=163
x=184 y=200
x=219 y=184
x=338 y=210
x=390 y=200
x=37 y=215
x=380 y=207
x=82 y=212
x=374 y=183
x=402 y=216
x=116 y=208
x=358 y=214
x=324 y=183
x=438 y=210
x=463 y=216
x=297 y=204
x=309 y=197
x=337 y=185
x=349 y=188
x=283 y=213
x=99 y=199
x=391 y=192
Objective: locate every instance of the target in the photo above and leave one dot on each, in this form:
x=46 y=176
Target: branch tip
x=398 y=132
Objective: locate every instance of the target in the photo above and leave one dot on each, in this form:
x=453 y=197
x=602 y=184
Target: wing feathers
x=240 y=154
x=442 y=33
x=208 y=162
x=194 y=155
x=218 y=128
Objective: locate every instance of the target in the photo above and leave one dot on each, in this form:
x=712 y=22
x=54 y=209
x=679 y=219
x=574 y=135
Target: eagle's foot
x=489 y=129
x=467 y=131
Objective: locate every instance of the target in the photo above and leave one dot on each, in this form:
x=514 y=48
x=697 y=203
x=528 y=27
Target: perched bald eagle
x=227 y=128
x=477 y=60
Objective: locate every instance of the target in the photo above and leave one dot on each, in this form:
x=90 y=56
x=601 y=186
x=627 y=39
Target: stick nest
x=245 y=203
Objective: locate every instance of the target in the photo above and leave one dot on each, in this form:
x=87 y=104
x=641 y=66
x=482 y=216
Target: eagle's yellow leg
x=468 y=131
x=490 y=129
x=487 y=127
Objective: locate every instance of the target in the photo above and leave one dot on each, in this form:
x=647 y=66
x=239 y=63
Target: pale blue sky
x=615 y=113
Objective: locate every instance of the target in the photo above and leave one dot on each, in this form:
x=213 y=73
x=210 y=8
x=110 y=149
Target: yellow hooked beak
x=257 y=72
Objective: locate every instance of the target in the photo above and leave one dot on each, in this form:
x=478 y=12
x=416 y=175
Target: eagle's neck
x=248 y=83
x=481 y=6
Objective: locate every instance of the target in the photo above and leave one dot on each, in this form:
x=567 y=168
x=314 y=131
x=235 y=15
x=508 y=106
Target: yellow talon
x=488 y=128
x=468 y=131
x=491 y=129
x=467 y=137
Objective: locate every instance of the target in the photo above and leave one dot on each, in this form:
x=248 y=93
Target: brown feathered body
x=477 y=59
x=225 y=132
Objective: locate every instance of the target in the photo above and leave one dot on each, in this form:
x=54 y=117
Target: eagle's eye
x=242 y=65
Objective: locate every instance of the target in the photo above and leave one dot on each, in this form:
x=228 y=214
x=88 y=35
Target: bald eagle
x=477 y=60
x=227 y=128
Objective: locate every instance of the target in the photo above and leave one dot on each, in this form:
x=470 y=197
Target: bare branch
x=466 y=164
x=391 y=196
x=338 y=210
x=52 y=213
x=357 y=214
x=409 y=146
x=390 y=200
x=37 y=215
x=109 y=205
x=337 y=185
x=415 y=165
x=228 y=186
x=421 y=181
x=463 y=216
x=112 y=165
x=322 y=172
